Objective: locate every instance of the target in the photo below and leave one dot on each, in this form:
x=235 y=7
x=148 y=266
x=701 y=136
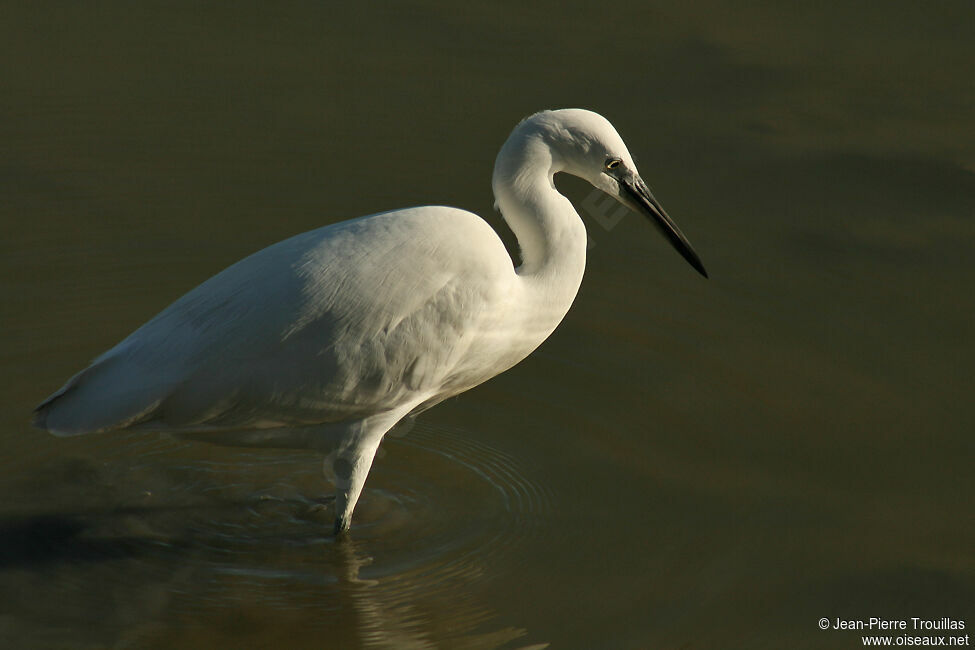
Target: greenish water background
x=684 y=464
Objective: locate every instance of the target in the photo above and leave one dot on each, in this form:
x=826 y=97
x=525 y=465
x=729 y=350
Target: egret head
x=585 y=144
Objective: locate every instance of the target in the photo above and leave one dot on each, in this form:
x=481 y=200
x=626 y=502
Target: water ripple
x=219 y=532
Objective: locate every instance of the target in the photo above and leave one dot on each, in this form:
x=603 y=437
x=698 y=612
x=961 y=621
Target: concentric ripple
x=444 y=513
x=225 y=531
x=451 y=502
x=220 y=532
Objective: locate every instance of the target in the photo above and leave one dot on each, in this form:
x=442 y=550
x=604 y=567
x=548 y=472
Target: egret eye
x=613 y=163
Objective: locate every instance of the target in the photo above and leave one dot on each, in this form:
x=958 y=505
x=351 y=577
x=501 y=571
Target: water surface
x=685 y=463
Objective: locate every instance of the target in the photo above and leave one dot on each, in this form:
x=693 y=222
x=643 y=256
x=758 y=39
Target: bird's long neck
x=551 y=236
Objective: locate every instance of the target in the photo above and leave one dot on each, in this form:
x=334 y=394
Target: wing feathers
x=334 y=324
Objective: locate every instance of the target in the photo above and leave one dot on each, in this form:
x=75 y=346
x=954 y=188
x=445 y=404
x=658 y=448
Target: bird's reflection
x=104 y=572
x=386 y=616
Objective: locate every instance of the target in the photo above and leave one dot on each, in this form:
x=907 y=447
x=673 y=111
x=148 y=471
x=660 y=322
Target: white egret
x=336 y=334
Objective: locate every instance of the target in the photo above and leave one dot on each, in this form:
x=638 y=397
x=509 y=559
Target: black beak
x=637 y=196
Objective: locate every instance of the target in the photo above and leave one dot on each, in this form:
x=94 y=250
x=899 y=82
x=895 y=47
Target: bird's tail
x=92 y=401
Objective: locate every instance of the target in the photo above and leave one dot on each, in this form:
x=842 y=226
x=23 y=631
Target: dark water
x=685 y=464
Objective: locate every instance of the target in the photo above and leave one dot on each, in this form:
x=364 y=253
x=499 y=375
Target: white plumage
x=340 y=332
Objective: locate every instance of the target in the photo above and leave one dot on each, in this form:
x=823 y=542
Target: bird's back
x=331 y=325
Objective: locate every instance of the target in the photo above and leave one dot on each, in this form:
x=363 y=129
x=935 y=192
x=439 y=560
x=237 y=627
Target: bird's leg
x=349 y=464
x=350 y=467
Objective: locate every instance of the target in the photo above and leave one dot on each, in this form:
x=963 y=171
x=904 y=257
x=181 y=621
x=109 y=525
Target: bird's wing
x=347 y=320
